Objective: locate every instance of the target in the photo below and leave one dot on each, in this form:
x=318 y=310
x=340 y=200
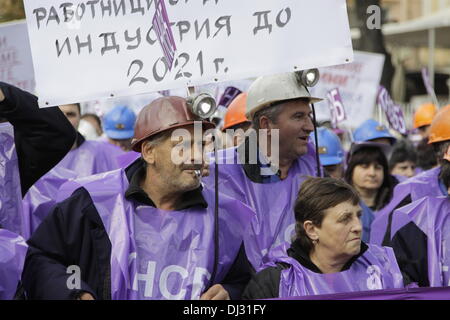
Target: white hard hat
x=276 y=88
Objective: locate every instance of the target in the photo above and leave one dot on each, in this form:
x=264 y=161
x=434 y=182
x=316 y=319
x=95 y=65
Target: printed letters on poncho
x=159 y=254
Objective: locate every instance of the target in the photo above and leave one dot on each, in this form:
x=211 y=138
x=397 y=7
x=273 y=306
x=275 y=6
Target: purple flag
x=337 y=109
x=161 y=25
x=394 y=113
x=228 y=96
x=427 y=82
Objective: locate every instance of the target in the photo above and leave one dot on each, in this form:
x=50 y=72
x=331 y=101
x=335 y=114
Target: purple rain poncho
x=422 y=185
x=13 y=250
x=42 y=196
x=90 y=158
x=376 y=269
x=432 y=216
x=273 y=202
x=158 y=254
x=10 y=190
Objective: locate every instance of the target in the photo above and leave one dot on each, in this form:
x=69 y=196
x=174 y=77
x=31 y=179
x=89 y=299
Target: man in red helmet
x=147 y=231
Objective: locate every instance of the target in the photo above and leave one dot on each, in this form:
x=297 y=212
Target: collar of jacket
x=297 y=252
x=136 y=172
x=253 y=170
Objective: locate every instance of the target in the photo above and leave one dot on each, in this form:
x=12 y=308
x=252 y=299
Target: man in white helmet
x=266 y=172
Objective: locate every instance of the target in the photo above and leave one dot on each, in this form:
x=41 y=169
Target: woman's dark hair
x=402 y=152
x=366 y=156
x=315 y=196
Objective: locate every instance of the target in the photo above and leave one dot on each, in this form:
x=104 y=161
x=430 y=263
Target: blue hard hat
x=370 y=130
x=330 y=149
x=119 y=123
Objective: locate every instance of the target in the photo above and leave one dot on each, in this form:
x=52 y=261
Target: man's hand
x=216 y=292
x=86 y=296
x=2 y=96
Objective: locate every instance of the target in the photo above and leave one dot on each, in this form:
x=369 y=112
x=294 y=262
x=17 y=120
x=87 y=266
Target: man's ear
x=264 y=123
x=148 y=152
x=311 y=230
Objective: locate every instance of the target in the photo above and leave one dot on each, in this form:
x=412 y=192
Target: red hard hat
x=163 y=114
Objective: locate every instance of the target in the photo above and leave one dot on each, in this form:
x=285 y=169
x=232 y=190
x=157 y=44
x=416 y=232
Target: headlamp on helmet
x=202 y=105
x=308 y=78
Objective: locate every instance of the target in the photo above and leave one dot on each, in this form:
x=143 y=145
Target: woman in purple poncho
x=327 y=255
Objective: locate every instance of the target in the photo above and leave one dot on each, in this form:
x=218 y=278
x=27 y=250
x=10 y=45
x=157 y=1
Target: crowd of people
x=96 y=208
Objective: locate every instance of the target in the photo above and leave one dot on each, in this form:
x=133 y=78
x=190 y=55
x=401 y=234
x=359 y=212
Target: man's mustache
x=192 y=167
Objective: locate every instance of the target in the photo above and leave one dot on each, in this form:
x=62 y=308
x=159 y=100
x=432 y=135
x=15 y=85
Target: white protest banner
x=337 y=109
x=358 y=86
x=88 y=50
x=16 y=65
x=394 y=113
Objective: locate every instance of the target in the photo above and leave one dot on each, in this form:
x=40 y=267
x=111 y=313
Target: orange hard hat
x=236 y=111
x=163 y=114
x=440 y=127
x=424 y=115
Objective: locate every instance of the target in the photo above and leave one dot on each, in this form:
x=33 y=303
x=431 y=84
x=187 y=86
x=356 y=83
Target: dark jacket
x=73 y=234
x=42 y=136
x=266 y=283
x=410 y=246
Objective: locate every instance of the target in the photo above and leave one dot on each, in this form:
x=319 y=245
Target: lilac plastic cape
x=274 y=222
x=124 y=160
x=432 y=216
x=12 y=256
x=159 y=254
x=90 y=158
x=376 y=269
x=10 y=189
x=390 y=294
x=422 y=185
x=41 y=197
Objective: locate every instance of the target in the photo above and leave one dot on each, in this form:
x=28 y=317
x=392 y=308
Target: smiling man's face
x=295 y=125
